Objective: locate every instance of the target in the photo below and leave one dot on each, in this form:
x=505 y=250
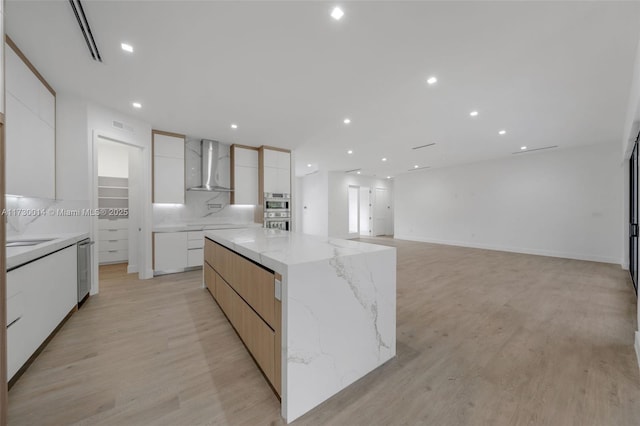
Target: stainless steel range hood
x=210 y=152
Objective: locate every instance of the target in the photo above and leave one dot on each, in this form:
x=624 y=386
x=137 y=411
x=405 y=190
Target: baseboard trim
x=536 y=252
x=637 y=345
x=132 y=269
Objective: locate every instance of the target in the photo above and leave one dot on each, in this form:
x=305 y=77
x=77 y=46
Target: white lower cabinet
x=175 y=251
x=170 y=251
x=113 y=240
x=40 y=295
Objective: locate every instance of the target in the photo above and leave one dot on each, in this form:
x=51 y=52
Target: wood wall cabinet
x=168 y=167
x=244 y=175
x=30 y=128
x=245 y=292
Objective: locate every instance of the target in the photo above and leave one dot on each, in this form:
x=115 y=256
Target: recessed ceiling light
x=234 y=126
x=337 y=13
x=523 y=148
x=358 y=172
x=309 y=165
x=126 y=47
x=137 y=105
x=416 y=166
x=473 y=113
x=388 y=177
x=384 y=159
x=350 y=152
x=346 y=121
x=502 y=132
x=432 y=80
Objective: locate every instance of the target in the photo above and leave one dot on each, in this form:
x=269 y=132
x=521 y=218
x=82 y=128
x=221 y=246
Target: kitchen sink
x=25 y=243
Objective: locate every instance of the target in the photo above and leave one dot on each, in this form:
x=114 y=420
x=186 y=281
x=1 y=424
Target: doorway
x=365 y=211
x=354 y=211
x=633 y=215
x=118 y=195
x=382 y=213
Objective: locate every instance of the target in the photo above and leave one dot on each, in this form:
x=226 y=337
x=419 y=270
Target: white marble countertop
x=276 y=249
x=184 y=227
x=17 y=256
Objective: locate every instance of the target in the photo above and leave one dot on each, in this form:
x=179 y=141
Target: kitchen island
x=316 y=313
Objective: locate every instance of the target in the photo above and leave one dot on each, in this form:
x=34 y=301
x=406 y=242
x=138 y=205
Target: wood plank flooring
x=484 y=338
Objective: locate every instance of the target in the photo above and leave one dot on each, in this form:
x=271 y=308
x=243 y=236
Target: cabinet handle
x=113 y=241
x=112 y=230
x=13 y=322
x=113 y=251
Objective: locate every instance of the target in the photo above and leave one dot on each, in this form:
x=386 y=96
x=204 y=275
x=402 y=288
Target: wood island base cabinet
x=245 y=293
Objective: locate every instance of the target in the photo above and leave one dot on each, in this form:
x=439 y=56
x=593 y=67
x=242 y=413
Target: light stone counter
x=338 y=309
x=17 y=256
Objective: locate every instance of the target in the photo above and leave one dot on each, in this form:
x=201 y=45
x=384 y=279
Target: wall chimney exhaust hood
x=210 y=152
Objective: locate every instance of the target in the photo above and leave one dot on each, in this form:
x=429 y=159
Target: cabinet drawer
x=195 y=236
x=15 y=307
x=254 y=332
x=195 y=244
x=255 y=284
x=210 y=279
x=113 y=223
x=110 y=256
x=209 y=247
x=113 y=234
x=195 y=257
x=106 y=245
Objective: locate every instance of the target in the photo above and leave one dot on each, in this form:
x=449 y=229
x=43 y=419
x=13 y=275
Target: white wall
x=565 y=203
x=312 y=198
x=338 y=199
x=113 y=159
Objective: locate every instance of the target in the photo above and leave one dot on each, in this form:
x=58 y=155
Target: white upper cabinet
x=30 y=130
x=245 y=175
x=168 y=168
x=277 y=171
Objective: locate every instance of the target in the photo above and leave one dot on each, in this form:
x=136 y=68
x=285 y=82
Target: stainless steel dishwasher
x=84 y=269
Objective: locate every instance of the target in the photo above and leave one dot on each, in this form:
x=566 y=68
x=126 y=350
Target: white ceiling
x=550 y=73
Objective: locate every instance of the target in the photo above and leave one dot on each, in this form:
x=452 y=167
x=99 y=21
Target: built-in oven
x=277 y=211
x=276 y=201
x=279 y=223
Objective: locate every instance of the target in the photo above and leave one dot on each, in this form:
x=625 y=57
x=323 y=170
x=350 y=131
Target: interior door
x=365 y=211
x=633 y=216
x=381 y=212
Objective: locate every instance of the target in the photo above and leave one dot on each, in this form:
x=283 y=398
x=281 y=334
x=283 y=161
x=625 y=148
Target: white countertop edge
x=291 y=248
x=29 y=253
x=202 y=227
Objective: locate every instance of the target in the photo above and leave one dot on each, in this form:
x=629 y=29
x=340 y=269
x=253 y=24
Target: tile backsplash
x=30 y=216
x=202 y=207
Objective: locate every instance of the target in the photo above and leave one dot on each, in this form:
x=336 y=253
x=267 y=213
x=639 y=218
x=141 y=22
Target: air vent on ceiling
x=419 y=168
x=524 y=151
x=78 y=11
x=424 y=146
x=122 y=126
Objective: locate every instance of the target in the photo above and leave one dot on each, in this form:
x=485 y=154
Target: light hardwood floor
x=484 y=338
